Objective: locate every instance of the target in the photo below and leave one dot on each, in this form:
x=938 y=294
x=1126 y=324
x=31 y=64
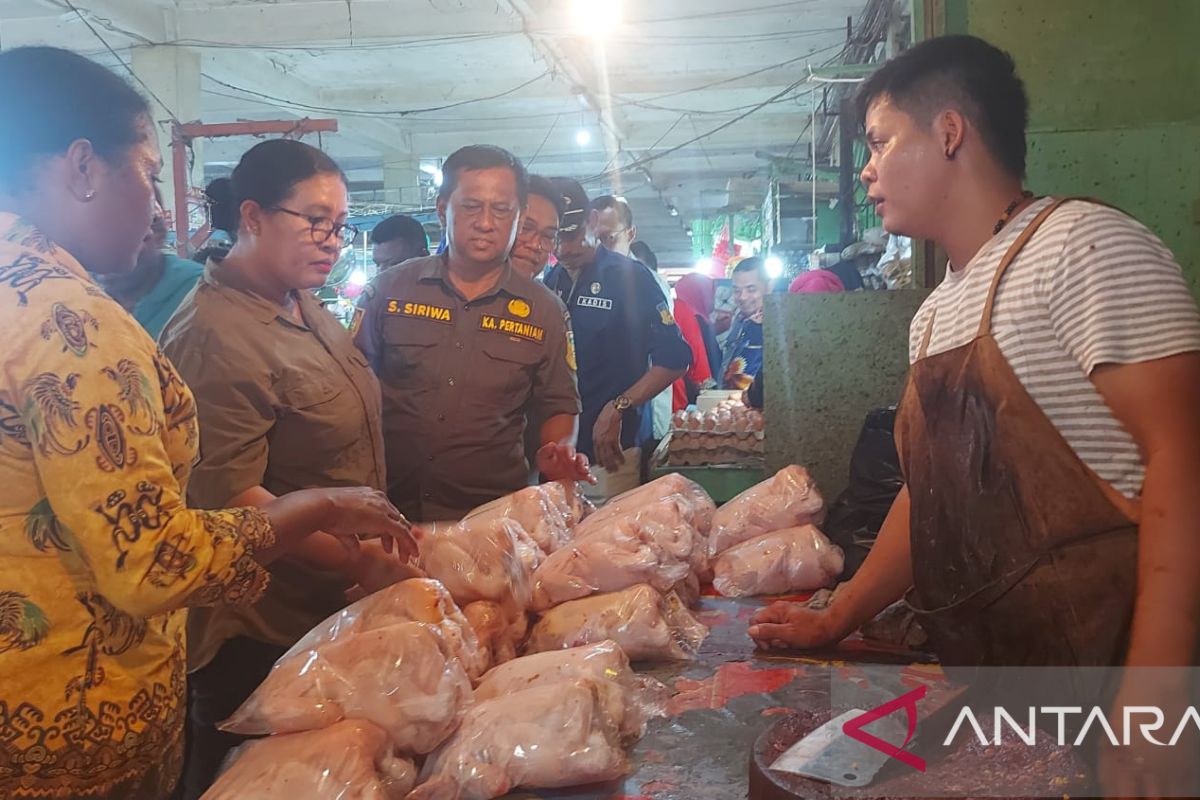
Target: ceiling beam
x=332 y=21
x=251 y=69
x=122 y=23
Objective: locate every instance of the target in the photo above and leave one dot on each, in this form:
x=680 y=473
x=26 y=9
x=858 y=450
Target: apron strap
x=923 y=351
x=985 y=323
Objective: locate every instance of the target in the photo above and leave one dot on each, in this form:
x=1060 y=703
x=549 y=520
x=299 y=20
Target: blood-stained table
x=722 y=701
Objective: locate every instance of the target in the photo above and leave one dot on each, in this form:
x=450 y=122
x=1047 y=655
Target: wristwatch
x=622 y=402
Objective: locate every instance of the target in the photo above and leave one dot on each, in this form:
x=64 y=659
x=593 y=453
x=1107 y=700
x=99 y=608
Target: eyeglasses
x=544 y=242
x=323 y=227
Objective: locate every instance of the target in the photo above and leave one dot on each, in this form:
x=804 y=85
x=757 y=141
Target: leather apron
x=1021 y=554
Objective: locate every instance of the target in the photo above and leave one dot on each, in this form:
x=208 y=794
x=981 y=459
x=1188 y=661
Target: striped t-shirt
x=1092 y=286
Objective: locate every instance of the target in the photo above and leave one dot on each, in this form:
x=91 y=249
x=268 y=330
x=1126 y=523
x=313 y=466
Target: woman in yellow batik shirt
x=99 y=553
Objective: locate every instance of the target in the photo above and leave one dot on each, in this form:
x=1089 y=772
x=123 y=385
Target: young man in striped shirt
x=1049 y=431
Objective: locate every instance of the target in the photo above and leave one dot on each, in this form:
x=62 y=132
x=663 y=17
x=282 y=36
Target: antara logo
x=854 y=728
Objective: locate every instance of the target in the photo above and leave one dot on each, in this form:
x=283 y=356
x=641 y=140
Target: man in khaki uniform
x=466 y=348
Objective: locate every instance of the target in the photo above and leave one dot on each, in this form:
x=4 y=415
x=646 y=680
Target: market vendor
x=466 y=348
x=743 y=349
x=1048 y=430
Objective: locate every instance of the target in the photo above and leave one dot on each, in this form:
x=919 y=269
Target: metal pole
x=846 y=172
x=179 y=171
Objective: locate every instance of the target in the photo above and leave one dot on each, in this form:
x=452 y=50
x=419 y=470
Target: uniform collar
x=435 y=269
x=255 y=305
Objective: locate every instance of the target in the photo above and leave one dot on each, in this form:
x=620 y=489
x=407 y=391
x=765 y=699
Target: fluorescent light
x=596 y=18
x=703 y=266
x=774 y=266
x=583 y=137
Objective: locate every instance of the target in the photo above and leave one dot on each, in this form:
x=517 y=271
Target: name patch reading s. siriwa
x=512 y=327
x=419 y=311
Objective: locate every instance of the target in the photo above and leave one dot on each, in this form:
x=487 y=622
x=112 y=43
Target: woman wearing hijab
x=101 y=554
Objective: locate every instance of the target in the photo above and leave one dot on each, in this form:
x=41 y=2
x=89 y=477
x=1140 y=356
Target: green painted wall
x=1114 y=103
x=829 y=359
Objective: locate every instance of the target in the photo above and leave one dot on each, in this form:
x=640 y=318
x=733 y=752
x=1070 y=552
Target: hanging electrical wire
x=121 y=61
x=360 y=113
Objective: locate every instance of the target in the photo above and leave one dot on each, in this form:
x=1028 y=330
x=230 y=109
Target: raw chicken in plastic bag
x=646 y=625
x=701 y=508
x=415 y=600
x=547 y=512
x=544 y=737
x=629 y=699
x=501 y=631
x=654 y=545
x=352 y=760
x=790 y=560
x=405 y=678
x=490 y=560
x=785 y=500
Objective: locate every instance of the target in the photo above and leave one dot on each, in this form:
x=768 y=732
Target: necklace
x=1008 y=212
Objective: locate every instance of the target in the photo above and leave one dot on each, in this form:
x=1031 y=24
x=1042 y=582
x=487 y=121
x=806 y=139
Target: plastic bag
x=484 y=560
x=646 y=625
x=405 y=678
x=785 y=500
x=629 y=699
x=655 y=544
x=544 y=737
x=547 y=512
x=701 y=509
x=790 y=560
x=875 y=479
x=501 y=631
x=352 y=760
x=416 y=600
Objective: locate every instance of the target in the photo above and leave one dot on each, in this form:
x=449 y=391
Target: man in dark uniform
x=466 y=349
x=622 y=324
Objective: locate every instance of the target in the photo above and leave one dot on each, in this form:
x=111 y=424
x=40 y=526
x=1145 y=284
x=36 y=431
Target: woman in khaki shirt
x=286 y=402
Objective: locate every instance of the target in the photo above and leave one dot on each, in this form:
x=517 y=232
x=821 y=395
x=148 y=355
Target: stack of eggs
x=731 y=433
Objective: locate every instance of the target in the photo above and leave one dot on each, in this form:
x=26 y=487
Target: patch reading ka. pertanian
x=512 y=327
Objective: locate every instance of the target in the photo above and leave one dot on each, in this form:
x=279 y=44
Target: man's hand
x=793 y=626
x=606 y=438
x=561 y=462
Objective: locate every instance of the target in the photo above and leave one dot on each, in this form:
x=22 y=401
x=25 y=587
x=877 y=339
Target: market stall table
x=722 y=702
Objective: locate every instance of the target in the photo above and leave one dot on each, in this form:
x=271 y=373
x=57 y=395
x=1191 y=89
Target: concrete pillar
x=401 y=178
x=173 y=74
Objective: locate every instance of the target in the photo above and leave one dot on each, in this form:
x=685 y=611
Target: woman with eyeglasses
x=286 y=402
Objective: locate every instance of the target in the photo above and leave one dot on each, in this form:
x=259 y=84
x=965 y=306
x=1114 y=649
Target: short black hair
x=963 y=72
x=53 y=97
x=607 y=201
x=753 y=264
x=222 y=205
x=269 y=171
x=543 y=188
x=642 y=252
x=405 y=228
x=482 y=156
